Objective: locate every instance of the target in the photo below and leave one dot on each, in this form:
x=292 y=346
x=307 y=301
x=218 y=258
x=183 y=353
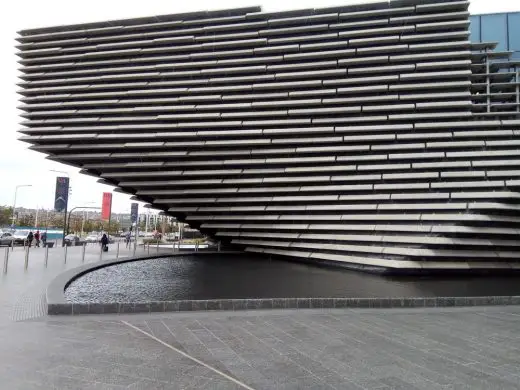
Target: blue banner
x=134 y=212
x=61 y=197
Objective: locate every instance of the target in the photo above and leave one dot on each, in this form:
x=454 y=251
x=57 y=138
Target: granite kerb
x=275 y=303
x=55 y=292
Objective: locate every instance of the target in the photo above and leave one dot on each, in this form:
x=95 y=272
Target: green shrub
x=151 y=241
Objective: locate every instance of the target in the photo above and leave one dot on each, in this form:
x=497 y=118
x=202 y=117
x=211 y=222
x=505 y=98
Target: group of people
x=36 y=237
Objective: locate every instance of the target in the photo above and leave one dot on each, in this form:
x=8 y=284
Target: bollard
x=100 y=252
x=65 y=254
x=12 y=246
x=6 y=259
x=148 y=248
x=218 y=246
x=157 y=251
x=117 y=253
x=26 y=264
x=46 y=259
x=83 y=253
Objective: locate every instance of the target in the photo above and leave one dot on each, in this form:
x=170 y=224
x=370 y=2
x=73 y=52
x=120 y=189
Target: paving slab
x=316 y=348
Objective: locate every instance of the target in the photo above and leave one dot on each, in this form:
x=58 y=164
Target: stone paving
x=314 y=349
x=22 y=291
x=419 y=348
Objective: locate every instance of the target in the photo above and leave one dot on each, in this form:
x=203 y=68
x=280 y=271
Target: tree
x=6 y=214
x=26 y=220
x=113 y=228
x=88 y=226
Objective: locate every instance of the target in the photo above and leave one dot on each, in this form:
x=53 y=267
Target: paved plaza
x=421 y=348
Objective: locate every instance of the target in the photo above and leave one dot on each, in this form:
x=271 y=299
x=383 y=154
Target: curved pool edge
x=55 y=292
x=57 y=303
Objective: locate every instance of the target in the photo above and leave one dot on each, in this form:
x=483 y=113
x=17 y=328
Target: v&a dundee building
x=378 y=136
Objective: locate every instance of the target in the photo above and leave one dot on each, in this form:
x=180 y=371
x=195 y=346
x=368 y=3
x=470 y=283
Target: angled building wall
x=349 y=134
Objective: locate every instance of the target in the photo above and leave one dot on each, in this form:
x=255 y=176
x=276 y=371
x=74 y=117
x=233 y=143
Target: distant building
x=503 y=28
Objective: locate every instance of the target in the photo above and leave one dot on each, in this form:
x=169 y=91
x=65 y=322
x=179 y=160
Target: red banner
x=106 y=207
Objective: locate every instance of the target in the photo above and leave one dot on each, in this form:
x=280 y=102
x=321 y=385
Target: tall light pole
x=147 y=220
x=70 y=212
x=15 y=195
x=64 y=172
x=66 y=205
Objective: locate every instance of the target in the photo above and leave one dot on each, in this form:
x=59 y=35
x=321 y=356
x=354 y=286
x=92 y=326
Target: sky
x=18 y=165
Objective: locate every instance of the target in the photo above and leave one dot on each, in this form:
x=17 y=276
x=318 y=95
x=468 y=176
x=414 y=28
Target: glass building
x=503 y=28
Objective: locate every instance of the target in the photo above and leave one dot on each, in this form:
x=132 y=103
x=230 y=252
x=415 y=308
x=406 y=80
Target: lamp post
x=15 y=196
x=66 y=205
x=75 y=208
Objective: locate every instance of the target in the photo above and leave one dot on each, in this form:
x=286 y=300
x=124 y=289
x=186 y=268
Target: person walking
x=30 y=238
x=128 y=238
x=44 y=239
x=37 y=238
x=104 y=243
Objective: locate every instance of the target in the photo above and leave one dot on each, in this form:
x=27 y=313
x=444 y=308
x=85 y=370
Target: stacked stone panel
x=347 y=134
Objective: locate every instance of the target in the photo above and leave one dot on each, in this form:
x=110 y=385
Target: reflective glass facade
x=503 y=28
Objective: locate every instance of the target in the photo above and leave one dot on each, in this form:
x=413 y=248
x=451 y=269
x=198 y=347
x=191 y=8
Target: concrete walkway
x=22 y=290
x=443 y=348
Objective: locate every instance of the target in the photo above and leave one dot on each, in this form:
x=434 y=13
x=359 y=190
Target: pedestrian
x=44 y=239
x=128 y=238
x=104 y=243
x=30 y=238
x=37 y=238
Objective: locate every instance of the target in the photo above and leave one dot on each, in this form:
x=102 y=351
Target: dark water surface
x=232 y=276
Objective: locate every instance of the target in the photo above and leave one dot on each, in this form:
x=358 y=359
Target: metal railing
x=51 y=255
x=54 y=253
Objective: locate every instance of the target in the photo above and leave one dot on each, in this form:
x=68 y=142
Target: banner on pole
x=61 y=196
x=106 y=206
x=134 y=210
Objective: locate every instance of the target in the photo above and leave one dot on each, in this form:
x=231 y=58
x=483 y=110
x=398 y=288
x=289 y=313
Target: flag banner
x=134 y=212
x=61 y=196
x=106 y=206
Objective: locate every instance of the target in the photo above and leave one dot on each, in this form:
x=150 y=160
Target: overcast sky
x=18 y=165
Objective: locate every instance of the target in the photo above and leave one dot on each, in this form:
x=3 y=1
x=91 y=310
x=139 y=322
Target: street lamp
x=70 y=212
x=15 y=195
x=64 y=172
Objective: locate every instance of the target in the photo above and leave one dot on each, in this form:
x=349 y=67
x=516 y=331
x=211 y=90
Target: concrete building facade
x=375 y=136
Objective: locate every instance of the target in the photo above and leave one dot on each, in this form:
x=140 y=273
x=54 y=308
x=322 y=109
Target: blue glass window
x=513 y=21
x=474 y=29
x=494 y=29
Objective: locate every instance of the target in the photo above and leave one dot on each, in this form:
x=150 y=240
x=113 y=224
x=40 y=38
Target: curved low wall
x=57 y=303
